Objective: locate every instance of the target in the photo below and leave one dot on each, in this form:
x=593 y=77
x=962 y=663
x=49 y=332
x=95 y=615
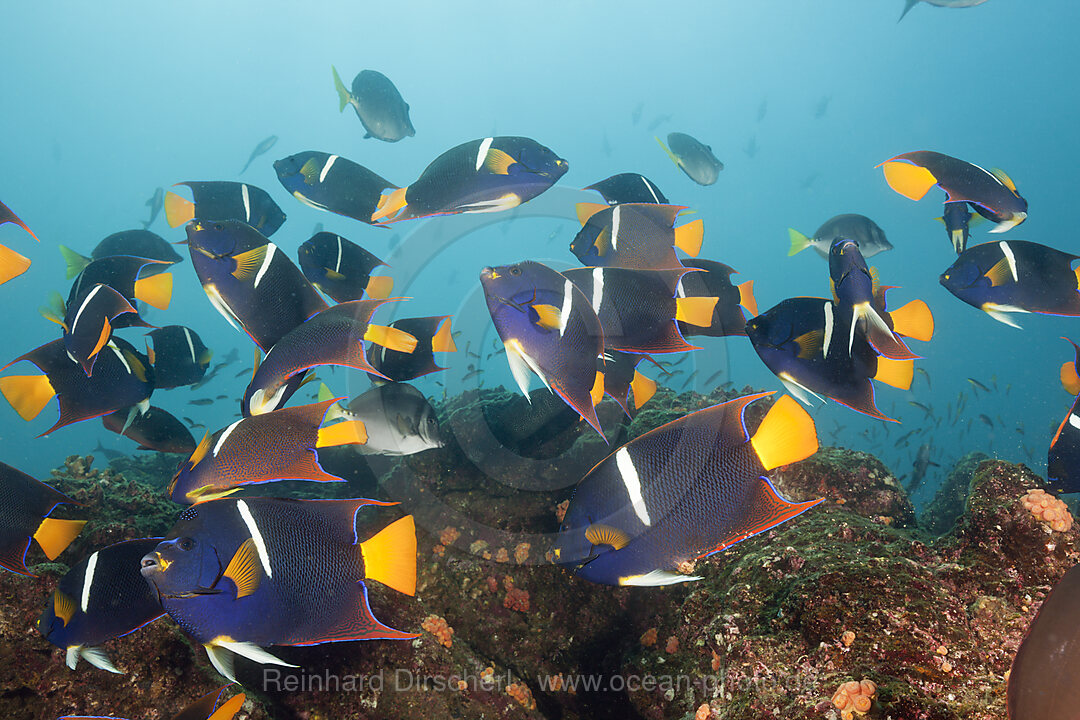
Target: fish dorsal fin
x=600 y=534
x=786 y=435
x=688 y=237
x=897 y=373
x=350 y=432
x=1003 y=178
x=155 y=290
x=28 y=394
x=390 y=556
x=644 y=388
x=586 y=210
x=63 y=606
x=549 y=317
x=54 y=534
x=245 y=569
x=811 y=344
x=498 y=162
x=390 y=338
x=178 y=210
x=911 y=181
x=1000 y=273
x=249 y=262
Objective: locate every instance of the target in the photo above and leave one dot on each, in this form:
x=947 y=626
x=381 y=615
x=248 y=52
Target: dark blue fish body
x=25 y=505
x=341 y=269
x=549 y=328
x=433 y=334
x=217 y=201
x=683 y=491
x=128 y=275
x=139 y=243
x=155 y=429
x=854 y=288
x=99 y=599
x=640 y=236
x=629 y=188
x=1015 y=276
x=178 y=355
x=244 y=574
x=728 y=317
x=89 y=324
x=957 y=220
x=332 y=183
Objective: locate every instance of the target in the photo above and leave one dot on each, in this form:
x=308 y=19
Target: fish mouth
x=488 y=273
x=153 y=563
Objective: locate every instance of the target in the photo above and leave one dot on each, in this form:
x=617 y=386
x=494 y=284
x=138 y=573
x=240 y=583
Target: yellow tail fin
x=688 y=237
x=1069 y=379
x=644 y=388
x=390 y=556
x=178 y=210
x=786 y=435
x=746 y=297
x=12 y=264
x=443 y=341
x=914 y=320
x=695 y=310
x=379 y=287
x=155 y=290
x=799 y=242
x=587 y=210
x=342 y=91
x=911 y=181
x=597 y=391
x=897 y=373
x=76 y=263
x=390 y=204
x=390 y=338
x=53 y=535
x=673 y=156
x=229 y=708
x=351 y=432
x=28 y=394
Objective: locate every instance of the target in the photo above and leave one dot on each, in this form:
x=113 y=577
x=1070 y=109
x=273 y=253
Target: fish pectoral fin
x=643 y=387
x=657 y=578
x=911 y=181
x=245 y=569
x=786 y=435
x=811 y=344
x=601 y=534
x=220 y=651
x=310 y=171
x=350 y=432
x=1000 y=313
x=498 y=162
x=178 y=210
x=28 y=394
x=332 y=274
x=97 y=657
x=71 y=656
x=696 y=311
x=390 y=338
x=688 y=237
x=390 y=556
x=54 y=535
x=249 y=262
x=520 y=366
x=1000 y=273
x=897 y=373
x=549 y=317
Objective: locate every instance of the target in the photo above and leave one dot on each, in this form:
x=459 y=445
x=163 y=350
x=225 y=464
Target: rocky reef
x=850 y=608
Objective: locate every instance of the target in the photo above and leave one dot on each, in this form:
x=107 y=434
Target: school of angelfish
x=231 y=572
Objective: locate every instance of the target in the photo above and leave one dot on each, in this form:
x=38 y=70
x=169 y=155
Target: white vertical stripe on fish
x=256 y=536
x=632 y=483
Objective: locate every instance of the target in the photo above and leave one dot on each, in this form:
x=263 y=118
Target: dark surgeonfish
x=991 y=192
x=128 y=276
x=25 y=505
x=641 y=236
x=398 y=419
x=240 y=575
x=908 y=4
x=639 y=310
x=279 y=445
x=433 y=334
x=89 y=324
x=122 y=379
x=201 y=709
x=335 y=336
x=1015 y=277
x=958 y=219
x=870 y=237
x=12 y=264
x=794 y=340
x=1070 y=371
x=341 y=269
x=621 y=377
x=681 y=492
x=1042 y=681
x=693 y=157
x=155 y=429
x=262 y=148
x=378 y=104
x=549 y=328
x=715 y=281
x=855 y=289
x=487 y=175
x=155 y=203
x=250 y=281
x=136 y=243
x=225 y=200
x=99 y=599
x=920 y=466
x=332 y=183
x=178 y=356
x=629 y=188
x=1063 y=457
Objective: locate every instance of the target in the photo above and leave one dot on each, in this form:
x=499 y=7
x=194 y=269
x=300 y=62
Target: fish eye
x=515 y=271
x=219 y=226
x=186 y=544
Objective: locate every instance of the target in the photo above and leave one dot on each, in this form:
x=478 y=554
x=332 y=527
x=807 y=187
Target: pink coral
x=1048 y=509
x=517 y=599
